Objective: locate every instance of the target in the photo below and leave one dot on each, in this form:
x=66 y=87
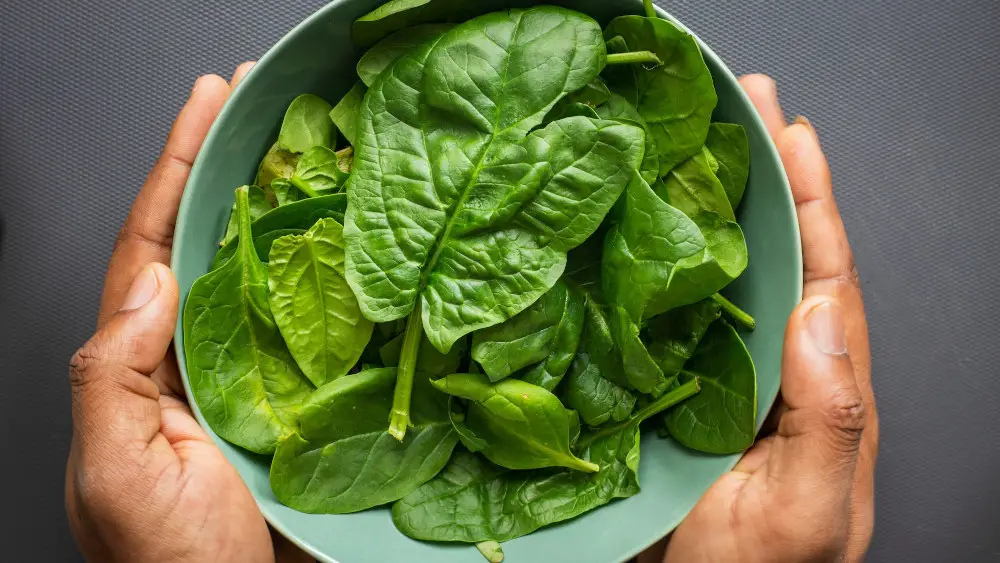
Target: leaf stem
x=633 y=57
x=739 y=315
x=303 y=186
x=399 y=418
x=650 y=11
x=666 y=401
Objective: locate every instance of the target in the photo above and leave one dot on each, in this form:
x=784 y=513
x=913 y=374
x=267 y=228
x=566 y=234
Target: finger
x=815 y=452
x=115 y=403
x=240 y=73
x=286 y=551
x=828 y=269
x=763 y=92
x=148 y=231
x=653 y=553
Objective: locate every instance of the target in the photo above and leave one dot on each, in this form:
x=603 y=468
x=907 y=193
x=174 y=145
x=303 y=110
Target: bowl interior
x=318 y=57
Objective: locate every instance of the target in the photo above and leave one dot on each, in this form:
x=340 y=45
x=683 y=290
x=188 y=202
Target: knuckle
x=847 y=416
x=85 y=362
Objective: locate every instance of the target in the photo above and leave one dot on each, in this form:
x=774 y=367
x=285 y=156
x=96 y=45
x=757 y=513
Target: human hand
x=144 y=482
x=805 y=492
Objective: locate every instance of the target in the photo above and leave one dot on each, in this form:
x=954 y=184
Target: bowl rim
x=188 y=200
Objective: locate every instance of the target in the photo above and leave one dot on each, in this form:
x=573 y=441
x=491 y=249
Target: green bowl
x=319 y=57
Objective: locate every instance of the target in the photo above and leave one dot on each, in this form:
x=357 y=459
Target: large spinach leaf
x=386 y=51
x=297 y=216
x=656 y=257
x=520 y=425
x=473 y=500
x=549 y=326
x=342 y=459
x=675 y=98
x=729 y=145
x=312 y=304
x=720 y=419
x=245 y=382
x=459 y=214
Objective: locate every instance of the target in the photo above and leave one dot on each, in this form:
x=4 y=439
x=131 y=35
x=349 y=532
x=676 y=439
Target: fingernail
x=825 y=324
x=143 y=289
x=802 y=120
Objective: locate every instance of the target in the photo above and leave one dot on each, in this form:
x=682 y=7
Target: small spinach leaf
x=258 y=207
x=245 y=382
x=619 y=109
x=306 y=125
x=312 y=304
x=299 y=215
x=676 y=98
x=397 y=15
x=318 y=173
x=528 y=337
x=491 y=550
x=386 y=51
x=343 y=460
x=720 y=419
x=521 y=426
x=673 y=336
x=346 y=113
x=728 y=143
x=656 y=257
x=285 y=192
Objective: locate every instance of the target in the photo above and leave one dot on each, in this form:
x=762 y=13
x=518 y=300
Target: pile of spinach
x=463 y=287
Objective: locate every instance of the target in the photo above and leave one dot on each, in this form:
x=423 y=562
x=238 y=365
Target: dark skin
x=144 y=482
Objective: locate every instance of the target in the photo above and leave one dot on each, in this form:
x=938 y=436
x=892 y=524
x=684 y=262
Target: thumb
x=816 y=448
x=115 y=403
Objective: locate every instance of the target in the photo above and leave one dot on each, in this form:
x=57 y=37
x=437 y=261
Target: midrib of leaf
x=714 y=382
x=537 y=446
x=322 y=298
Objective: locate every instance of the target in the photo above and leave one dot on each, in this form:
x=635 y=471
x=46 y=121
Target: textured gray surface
x=904 y=95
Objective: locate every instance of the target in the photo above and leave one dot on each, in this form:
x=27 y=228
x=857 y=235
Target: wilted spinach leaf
x=346 y=113
x=245 y=382
x=728 y=143
x=518 y=425
x=675 y=98
x=720 y=419
x=386 y=51
x=276 y=164
x=342 y=459
x=312 y=304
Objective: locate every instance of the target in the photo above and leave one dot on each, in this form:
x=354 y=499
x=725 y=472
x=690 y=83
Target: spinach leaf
x=342 y=459
x=383 y=334
x=306 y=125
x=520 y=425
x=473 y=500
x=241 y=375
x=550 y=371
x=318 y=173
x=431 y=362
x=656 y=257
x=641 y=371
x=728 y=143
x=720 y=419
x=276 y=164
x=386 y=51
x=619 y=109
x=346 y=113
x=312 y=304
x=673 y=336
x=491 y=550
x=593 y=93
x=298 y=216
x=528 y=337
x=285 y=192
x=676 y=98
x=258 y=207
x=397 y=15
x=462 y=216
x=595 y=385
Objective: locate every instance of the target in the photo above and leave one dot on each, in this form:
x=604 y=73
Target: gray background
x=904 y=95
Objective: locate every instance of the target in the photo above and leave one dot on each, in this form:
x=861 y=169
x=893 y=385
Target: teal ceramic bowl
x=319 y=57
